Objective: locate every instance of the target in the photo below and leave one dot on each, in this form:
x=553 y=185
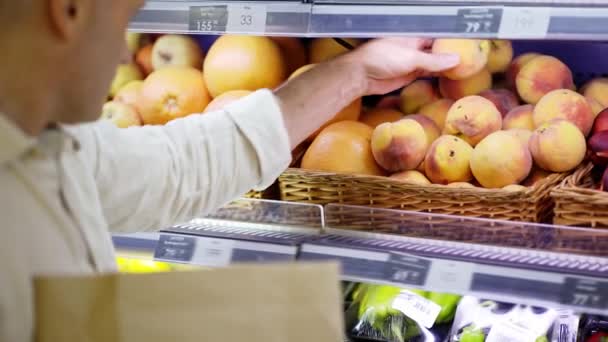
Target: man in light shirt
x=67 y=181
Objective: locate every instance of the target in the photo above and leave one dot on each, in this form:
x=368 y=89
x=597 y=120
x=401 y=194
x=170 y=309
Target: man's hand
x=392 y=63
x=377 y=67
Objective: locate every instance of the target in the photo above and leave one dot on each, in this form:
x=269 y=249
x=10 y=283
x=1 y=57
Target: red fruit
x=601 y=122
x=604 y=186
x=598 y=146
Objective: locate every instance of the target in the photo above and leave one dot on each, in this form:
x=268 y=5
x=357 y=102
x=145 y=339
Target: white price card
x=451 y=276
x=213 y=252
x=524 y=22
x=246 y=18
x=506 y=331
x=418 y=308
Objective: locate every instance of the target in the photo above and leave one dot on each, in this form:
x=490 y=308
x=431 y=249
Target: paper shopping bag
x=265 y=303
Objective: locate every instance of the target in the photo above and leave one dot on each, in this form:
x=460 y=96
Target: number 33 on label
x=250 y=18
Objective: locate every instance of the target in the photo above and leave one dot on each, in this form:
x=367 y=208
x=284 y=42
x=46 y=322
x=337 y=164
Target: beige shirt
x=64 y=192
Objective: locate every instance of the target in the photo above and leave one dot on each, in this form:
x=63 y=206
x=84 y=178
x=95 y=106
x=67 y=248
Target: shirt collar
x=14 y=143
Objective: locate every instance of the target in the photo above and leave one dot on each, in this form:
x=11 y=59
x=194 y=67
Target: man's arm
x=152 y=177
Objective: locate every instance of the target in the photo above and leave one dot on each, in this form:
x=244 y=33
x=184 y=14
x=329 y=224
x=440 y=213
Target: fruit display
x=390 y=313
x=493 y=120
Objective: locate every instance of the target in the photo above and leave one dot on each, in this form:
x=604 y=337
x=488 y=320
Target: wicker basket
x=578 y=203
x=531 y=205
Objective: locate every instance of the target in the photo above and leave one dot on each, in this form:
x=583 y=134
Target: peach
x=437 y=111
x=596 y=107
x=417 y=94
x=500 y=55
x=522 y=134
x=377 y=116
x=430 y=128
x=503 y=99
x=457 y=89
x=473 y=56
x=447 y=160
x=389 y=101
x=461 y=185
x=399 y=146
x=516 y=65
x=121 y=114
x=500 y=160
x=129 y=94
x=125 y=73
x=558 y=146
x=535 y=176
x=597 y=89
x=411 y=176
x=564 y=104
x=540 y=76
x=143 y=58
x=177 y=50
x=519 y=117
x=472 y=118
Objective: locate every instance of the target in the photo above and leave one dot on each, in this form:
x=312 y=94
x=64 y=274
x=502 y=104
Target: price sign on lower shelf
x=246 y=18
x=208 y=18
x=524 y=22
x=587 y=293
x=194 y=250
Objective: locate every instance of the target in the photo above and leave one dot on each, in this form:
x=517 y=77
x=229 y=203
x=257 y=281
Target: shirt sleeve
x=154 y=176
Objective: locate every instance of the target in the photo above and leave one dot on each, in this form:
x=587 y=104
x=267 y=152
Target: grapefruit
x=322 y=49
x=226 y=98
x=172 y=92
x=243 y=63
x=343 y=147
x=294 y=52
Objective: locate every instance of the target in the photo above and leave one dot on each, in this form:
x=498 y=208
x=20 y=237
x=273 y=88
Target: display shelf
x=539 y=19
x=243 y=231
x=515 y=262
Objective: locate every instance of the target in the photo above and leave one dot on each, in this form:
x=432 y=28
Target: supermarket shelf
x=542 y=265
x=509 y=19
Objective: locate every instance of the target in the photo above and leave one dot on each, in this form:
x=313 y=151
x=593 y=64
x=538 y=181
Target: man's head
x=59 y=57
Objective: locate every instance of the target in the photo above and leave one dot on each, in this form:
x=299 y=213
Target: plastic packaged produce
x=389 y=313
x=594 y=329
x=479 y=320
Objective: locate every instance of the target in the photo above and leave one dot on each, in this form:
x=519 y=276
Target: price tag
x=208 y=18
x=585 y=293
x=175 y=248
x=524 y=22
x=418 y=308
x=406 y=269
x=506 y=331
x=213 y=252
x=250 y=18
x=478 y=21
x=454 y=276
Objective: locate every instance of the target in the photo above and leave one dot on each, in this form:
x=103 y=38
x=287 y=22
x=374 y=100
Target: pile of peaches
x=492 y=121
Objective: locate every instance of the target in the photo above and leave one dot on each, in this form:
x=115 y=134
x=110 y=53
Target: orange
x=294 y=52
x=243 y=63
x=343 y=147
x=377 y=116
x=143 y=58
x=322 y=49
x=172 y=92
x=225 y=99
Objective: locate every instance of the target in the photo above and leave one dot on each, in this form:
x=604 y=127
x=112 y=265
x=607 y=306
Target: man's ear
x=66 y=16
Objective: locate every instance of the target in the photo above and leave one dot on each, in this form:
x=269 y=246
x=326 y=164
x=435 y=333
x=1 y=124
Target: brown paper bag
x=265 y=303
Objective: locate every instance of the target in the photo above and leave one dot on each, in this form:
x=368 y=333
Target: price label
x=208 y=18
x=406 y=269
x=454 y=276
x=585 y=293
x=175 y=248
x=416 y=307
x=213 y=252
x=478 y=21
x=250 y=18
x=524 y=22
x=507 y=331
